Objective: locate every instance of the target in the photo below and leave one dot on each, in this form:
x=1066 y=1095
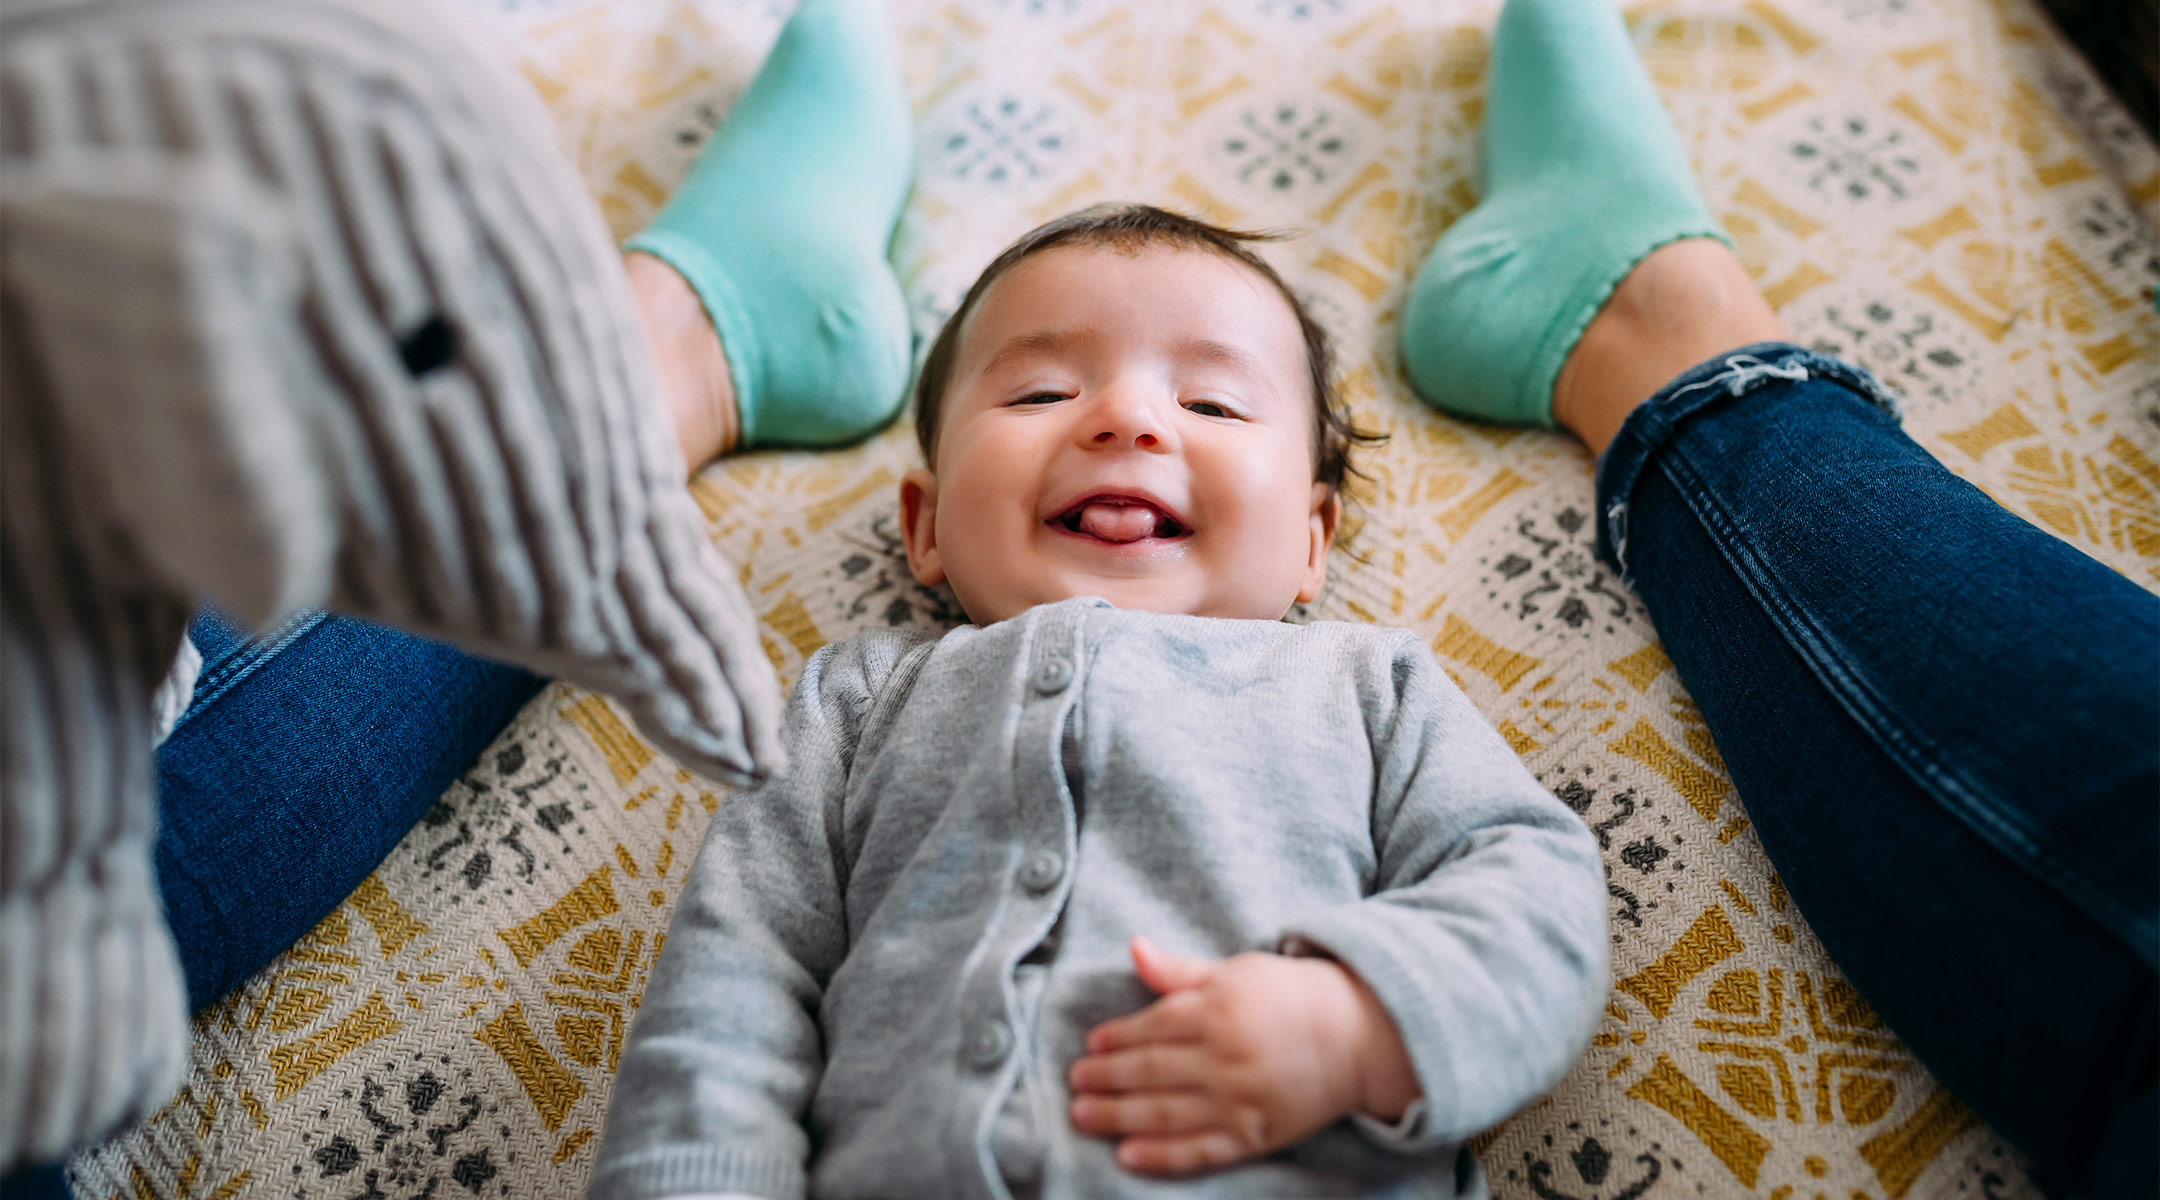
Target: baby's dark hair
x=1132 y=227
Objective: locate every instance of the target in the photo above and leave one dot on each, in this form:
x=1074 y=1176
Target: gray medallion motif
x=2087 y=106
x=2145 y=405
x=1634 y=841
x=2104 y=226
x=1580 y=1165
x=1546 y=574
x=1917 y=353
x=1858 y=160
x=415 y=1126
x=999 y=140
x=869 y=583
x=1994 y=1171
x=1285 y=148
x=696 y=127
x=506 y=820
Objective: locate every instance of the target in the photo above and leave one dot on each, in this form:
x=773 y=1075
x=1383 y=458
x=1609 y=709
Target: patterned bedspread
x=1937 y=189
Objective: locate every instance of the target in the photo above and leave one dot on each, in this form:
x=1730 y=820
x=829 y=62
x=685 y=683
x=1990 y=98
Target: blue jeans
x=303 y=758
x=1944 y=724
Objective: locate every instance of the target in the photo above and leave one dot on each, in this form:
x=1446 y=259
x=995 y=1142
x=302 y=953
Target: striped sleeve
x=304 y=307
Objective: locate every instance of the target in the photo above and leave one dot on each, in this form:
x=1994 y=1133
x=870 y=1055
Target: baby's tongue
x=1118 y=522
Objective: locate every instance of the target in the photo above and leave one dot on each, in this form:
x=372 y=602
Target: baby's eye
x=1041 y=398
x=1207 y=408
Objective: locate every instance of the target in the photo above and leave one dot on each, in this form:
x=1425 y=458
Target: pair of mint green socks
x=782 y=225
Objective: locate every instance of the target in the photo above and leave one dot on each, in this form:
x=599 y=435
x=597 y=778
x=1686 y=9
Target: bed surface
x=1938 y=190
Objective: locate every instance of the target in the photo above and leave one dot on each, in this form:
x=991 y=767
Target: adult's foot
x=1682 y=304
x=1584 y=177
x=781 y=229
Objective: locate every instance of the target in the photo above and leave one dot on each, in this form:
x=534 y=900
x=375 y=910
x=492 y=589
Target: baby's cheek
x=974 y=509
x=1273 y=532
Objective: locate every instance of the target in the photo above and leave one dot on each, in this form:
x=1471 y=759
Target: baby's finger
x=1174 y=1018
x=1180 y=1154
x=1146 y=1112
x=1165 y=972
x=1145 y=1068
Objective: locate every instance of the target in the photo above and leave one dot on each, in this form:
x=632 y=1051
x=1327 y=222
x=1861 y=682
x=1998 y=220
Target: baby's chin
x=1171 y=598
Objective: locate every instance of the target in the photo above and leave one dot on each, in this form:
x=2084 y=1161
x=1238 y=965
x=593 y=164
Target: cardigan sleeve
x=1485 y=936
x=720 y=1066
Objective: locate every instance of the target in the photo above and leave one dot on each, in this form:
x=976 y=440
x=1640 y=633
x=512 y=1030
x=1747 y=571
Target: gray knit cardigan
x=300 y=305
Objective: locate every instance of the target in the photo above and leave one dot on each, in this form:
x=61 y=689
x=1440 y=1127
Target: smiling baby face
x=1135 y=422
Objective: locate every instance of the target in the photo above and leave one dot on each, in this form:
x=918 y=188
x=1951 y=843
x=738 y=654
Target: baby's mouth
x=1119 y=519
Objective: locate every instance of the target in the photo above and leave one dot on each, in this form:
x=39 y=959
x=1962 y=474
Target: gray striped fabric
x=300 y=305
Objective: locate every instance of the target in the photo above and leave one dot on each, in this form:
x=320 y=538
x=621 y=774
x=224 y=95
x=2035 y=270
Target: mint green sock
x=1584 y=175
x=782 y=229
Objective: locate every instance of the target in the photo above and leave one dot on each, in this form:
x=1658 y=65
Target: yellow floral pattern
x=1937 y=190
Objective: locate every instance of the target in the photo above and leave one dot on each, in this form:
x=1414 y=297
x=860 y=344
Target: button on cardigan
x=860 y=969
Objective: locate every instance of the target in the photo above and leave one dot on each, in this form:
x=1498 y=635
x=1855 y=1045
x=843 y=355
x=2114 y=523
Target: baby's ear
x=1326 y=511
x=918 y=526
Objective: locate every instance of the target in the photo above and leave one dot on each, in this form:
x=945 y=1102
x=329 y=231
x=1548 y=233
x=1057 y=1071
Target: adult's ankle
x=695 y=381
x=1683 y=303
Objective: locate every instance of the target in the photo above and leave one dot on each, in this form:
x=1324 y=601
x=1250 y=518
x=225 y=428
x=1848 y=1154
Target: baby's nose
x=1127 y=415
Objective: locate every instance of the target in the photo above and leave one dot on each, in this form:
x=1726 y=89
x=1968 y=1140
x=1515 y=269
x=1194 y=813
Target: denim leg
x=303 y=758
x=35 y=1183
x=1944 y=723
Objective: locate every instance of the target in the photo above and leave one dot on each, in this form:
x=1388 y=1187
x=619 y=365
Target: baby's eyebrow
x=1063 y=341
x=1040 y=342
x=1210 y=350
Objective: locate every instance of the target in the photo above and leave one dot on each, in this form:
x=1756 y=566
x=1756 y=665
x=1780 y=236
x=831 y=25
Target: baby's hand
x=1241 y=1056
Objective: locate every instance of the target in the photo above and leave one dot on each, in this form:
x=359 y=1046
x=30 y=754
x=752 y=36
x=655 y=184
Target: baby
x=1129 y=879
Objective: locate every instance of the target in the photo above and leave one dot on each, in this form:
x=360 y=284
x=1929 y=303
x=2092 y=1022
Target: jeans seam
x=241 y=663
x=1918 y=758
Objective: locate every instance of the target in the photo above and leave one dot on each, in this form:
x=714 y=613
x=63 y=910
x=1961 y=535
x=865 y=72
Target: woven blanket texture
x=1939 y=190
